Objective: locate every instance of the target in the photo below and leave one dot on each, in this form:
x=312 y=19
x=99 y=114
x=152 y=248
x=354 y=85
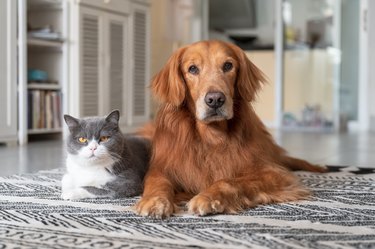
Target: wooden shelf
x=41 y=5
x=44 y=131
x=43 y=86
x=42 y=43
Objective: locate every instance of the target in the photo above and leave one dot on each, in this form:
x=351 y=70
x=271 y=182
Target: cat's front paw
x=76 y=194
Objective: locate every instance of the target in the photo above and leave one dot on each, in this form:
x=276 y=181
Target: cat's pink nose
x=93 y=148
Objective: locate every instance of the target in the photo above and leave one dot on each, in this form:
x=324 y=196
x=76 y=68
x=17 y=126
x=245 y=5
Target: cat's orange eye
x=104 y=139
x=82 y=140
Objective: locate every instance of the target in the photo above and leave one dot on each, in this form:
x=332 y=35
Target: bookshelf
x=45 y=67
x=99 y=62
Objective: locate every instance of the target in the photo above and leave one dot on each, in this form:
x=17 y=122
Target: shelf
x=44 y=131
x=43 y=5
x=44 y=86
x=44 y=43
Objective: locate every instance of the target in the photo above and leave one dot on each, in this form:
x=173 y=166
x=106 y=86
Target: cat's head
x=96 y=140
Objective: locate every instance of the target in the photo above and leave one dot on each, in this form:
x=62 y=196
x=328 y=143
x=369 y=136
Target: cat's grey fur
x=131 y=154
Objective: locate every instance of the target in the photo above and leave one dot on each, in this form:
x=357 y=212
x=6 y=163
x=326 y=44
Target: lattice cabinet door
x=116 y=88
x=91 y=60
x=140 y=29
x=112 y=60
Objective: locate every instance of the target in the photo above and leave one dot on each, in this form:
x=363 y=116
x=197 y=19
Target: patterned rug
x=340 y=215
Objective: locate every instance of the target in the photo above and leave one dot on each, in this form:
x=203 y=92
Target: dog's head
x=211 y=75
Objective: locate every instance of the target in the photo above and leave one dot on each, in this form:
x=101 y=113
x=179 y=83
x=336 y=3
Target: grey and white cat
x=101 y=161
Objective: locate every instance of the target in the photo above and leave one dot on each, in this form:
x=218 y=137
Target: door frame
x=364 y=61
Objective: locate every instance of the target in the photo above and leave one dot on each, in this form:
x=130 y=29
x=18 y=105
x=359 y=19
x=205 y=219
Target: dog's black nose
x=215 y=99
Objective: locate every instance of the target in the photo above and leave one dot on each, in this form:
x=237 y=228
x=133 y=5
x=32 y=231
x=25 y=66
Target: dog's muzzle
x=215 y=108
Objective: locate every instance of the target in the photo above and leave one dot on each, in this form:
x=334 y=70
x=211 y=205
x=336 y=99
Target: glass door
x=311 y=65
x=350 y=61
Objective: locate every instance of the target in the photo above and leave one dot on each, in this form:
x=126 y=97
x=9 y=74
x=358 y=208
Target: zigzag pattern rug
x=340 y=215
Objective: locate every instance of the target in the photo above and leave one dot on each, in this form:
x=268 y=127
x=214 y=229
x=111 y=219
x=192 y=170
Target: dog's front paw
x=203 y=205
x=156 y=207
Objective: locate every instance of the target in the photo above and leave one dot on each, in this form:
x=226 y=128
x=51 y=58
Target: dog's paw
x=322 y=168
x=203 y=205
x=156 y=207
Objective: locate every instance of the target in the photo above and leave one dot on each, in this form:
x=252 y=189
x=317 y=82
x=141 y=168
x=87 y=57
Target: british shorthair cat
x=101 y=161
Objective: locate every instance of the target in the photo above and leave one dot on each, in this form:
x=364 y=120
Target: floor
x=356 y=149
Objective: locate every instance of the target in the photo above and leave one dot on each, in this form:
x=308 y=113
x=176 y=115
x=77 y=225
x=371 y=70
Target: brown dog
x=209 y=143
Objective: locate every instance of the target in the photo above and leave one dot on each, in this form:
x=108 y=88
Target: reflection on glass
x=309 y=64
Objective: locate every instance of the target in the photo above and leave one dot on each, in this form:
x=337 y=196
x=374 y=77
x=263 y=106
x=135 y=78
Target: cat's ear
x=113 y=117
x=71 y=122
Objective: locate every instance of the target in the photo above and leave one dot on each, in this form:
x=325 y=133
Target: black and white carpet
x=340 y=215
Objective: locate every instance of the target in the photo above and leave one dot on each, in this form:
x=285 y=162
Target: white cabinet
x=101 y=63
x=109 y=67
x=8 y=85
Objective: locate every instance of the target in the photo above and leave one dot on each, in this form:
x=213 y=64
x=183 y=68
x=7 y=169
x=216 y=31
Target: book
x=36 y=108
x=44 y=109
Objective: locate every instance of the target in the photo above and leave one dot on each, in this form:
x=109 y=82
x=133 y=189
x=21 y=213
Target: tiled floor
x=32 y=157
x=357 y=149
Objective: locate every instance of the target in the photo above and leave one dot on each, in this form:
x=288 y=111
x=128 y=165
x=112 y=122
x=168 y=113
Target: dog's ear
x=249 y=78
x=168 y=85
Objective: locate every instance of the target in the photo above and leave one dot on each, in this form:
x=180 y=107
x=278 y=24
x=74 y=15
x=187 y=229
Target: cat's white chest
x=79 y=175
x=88 y=175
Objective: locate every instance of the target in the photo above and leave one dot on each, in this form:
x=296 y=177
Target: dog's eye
x=193 y=69
x=227 y=66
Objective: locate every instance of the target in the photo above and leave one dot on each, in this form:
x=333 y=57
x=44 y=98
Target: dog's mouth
x=215 y=115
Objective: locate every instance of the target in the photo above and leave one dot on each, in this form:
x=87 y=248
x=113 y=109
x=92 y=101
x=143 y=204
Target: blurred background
x=87 y=57
x=310 y=51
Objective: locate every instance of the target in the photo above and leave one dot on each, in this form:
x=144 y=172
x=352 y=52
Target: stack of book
x=44 y=109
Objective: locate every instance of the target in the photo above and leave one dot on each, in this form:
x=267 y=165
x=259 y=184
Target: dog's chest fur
x=202 y=164
x=195 y=155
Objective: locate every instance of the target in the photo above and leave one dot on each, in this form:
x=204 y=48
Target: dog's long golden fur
x=207 y=140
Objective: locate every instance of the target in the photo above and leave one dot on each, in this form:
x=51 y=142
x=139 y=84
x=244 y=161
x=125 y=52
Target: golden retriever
x=207 y=140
